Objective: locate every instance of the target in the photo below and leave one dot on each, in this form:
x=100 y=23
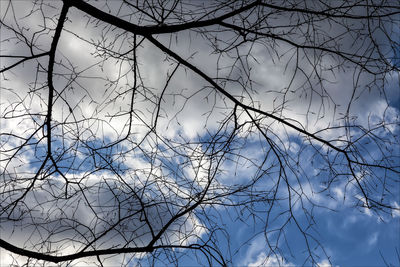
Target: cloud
x=325 y=263
x=396 y=210
x=372 y=239
x=7 y=258
x=256 y=256
x=100 y=94
x=263 y=260
x=82 y=218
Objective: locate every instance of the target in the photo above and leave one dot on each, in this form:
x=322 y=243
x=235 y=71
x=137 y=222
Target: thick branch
x=52 y=55
x=82 y=254
x=156 y=29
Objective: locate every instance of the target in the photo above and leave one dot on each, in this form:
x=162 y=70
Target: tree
x=144 y=132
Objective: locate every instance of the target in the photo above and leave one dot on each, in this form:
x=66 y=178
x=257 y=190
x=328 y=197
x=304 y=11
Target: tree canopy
x=184 y=132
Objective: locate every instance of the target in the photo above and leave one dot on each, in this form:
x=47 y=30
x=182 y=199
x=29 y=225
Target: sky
x=170 y=164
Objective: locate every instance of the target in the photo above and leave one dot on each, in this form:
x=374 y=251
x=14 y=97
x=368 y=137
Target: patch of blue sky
x=351 y=235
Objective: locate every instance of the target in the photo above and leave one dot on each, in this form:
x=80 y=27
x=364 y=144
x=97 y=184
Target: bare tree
x=133 y=132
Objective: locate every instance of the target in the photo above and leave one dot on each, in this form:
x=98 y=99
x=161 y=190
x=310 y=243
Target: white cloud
x=396 y=210
x=256 y=256
x=7 y=258
x=262 y=260
x=349 y=220
x=324 y=263
x=372 y=239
